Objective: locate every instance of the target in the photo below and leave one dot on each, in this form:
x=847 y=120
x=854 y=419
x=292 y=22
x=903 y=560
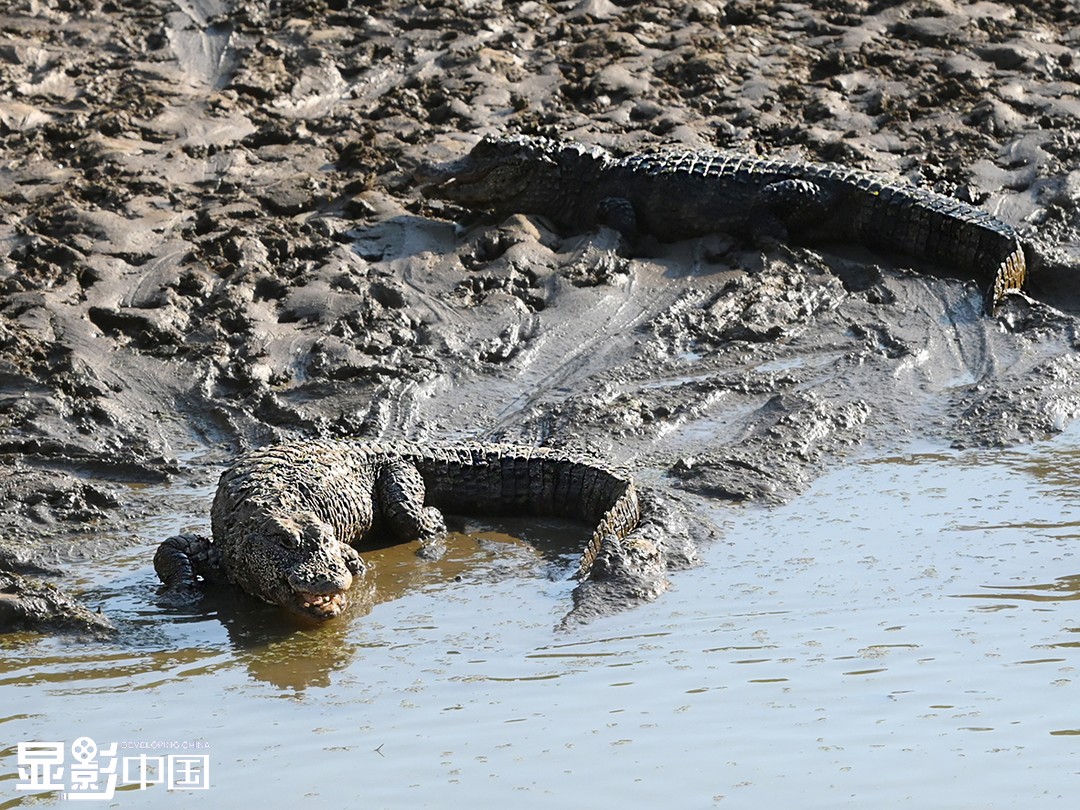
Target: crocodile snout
x=320 y=586
x=436 y=177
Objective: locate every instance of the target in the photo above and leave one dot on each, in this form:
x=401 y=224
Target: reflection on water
x=272 y=644
x=290 y=652
x=1061 y=589
x=905 y=634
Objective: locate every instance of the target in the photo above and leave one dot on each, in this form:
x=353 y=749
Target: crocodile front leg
x=601 y=256
x=400 y=490
x=183 y=560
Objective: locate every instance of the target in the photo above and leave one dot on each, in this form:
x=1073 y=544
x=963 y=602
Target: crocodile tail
x=574 y=486
x=922 y=223
x=1010 y=275
x=618 y=521
x=501 y=479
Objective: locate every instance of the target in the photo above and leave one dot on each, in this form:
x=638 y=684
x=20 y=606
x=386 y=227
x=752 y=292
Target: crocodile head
x=297 y=562
x=513 y=174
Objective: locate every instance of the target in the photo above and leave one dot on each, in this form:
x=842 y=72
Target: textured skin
x=285 y=518
x=676 y=195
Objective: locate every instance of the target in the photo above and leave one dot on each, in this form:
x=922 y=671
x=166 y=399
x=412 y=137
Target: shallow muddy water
x=906 y=632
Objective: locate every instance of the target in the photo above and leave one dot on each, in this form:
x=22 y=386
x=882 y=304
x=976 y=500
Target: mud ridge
x=210 y=240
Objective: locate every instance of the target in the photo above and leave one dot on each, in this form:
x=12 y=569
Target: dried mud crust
x=210 y=239
x=28 y=604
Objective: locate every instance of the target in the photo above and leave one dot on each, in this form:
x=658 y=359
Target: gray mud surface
x=210 y=239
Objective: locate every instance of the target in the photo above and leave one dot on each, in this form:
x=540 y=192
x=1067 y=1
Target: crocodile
x=286 y=519
x=675 y=195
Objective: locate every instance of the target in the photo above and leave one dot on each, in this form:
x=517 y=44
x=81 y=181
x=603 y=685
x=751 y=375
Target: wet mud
x=210 y=239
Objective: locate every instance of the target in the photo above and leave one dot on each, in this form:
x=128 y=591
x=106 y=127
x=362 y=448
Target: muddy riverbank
x=211 y=240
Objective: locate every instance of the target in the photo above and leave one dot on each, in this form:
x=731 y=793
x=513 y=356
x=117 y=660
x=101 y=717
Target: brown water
x=905 y=634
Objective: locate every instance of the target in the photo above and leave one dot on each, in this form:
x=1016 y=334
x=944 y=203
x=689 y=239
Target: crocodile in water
x=681 y=194
x=286 y=518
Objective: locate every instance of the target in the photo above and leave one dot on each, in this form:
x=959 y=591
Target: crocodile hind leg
x=784 y=208
x=182 y=561
x=400 y=490
x=618 y=213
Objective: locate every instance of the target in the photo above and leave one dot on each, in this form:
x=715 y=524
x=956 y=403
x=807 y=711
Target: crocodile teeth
x=322 y=605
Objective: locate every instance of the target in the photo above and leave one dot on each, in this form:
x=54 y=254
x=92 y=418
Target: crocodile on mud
x=676 y=195
x=286 y=518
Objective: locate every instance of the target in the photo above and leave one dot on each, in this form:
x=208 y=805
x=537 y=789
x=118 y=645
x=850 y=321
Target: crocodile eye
x=316 y=532
x=289 y=541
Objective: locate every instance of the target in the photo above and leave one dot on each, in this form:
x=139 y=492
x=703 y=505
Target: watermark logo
x=95 y=772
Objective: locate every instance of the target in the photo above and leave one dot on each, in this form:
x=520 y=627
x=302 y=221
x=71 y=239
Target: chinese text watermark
x=94 y=772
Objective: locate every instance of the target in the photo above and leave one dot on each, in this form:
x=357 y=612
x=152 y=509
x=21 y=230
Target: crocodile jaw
x=447 y=180
x=319 y=606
